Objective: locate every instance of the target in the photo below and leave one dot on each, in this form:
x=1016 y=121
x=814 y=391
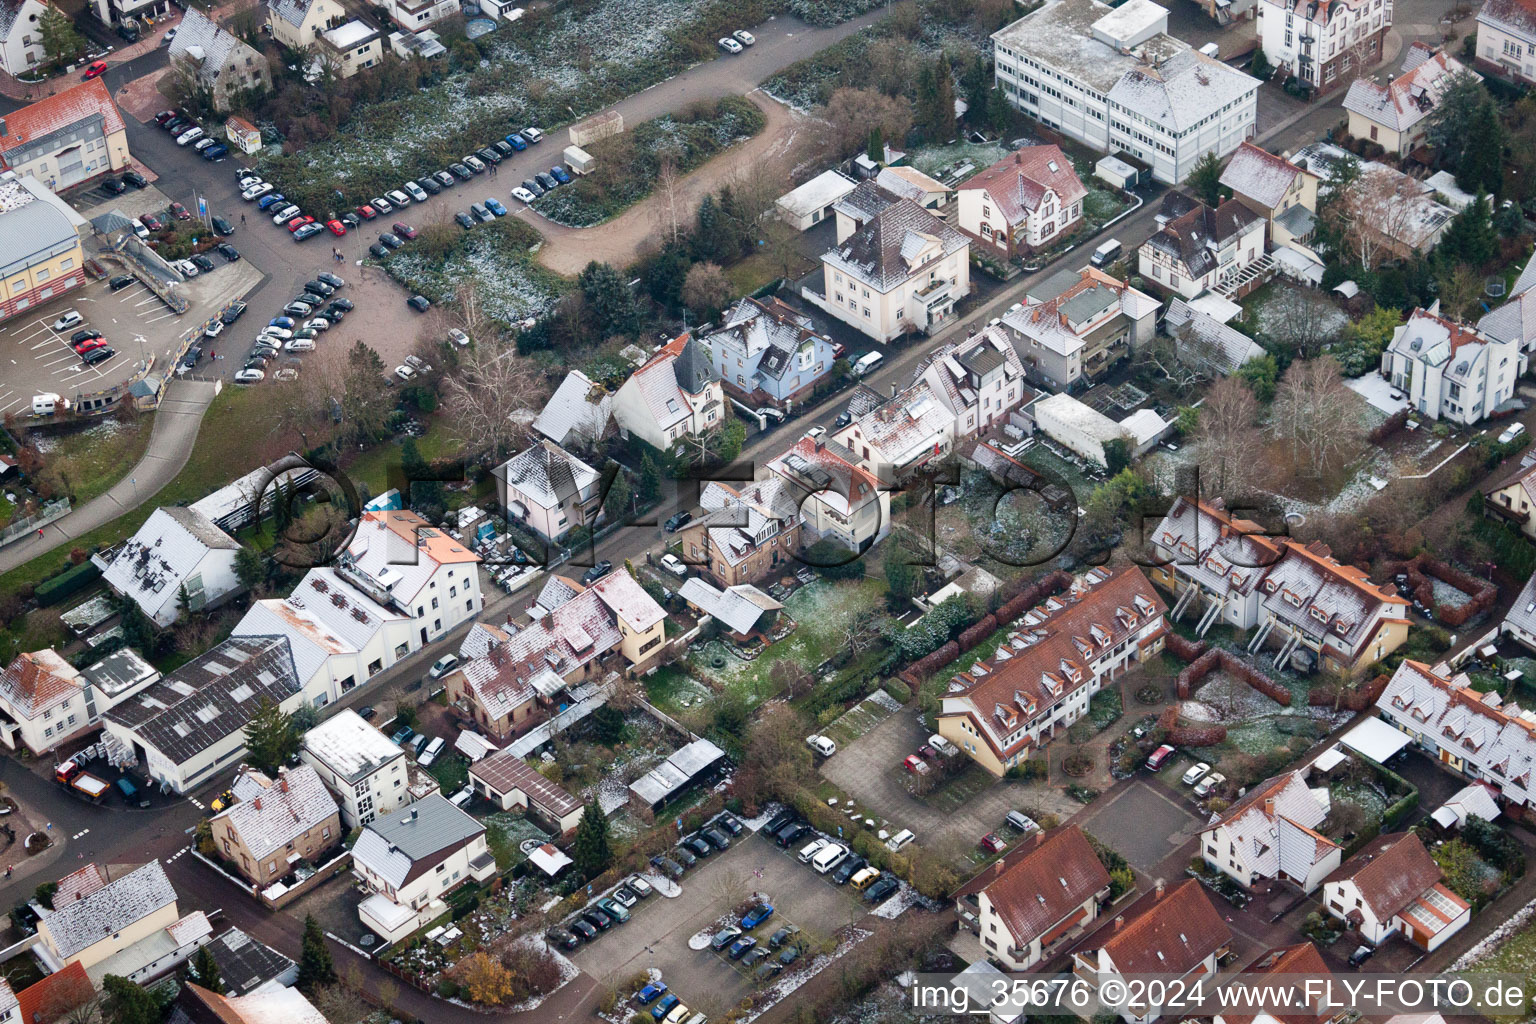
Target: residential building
x=415 y=15
x=21 y=37
x=900 y=435
x=676 y=394
x=1395 y=115
x=1079 y=323
x=746 y=534
x=1515 y=320
x=807 y=205
x=1520 y=622
x=511 y=783
x=767 y=353
x=1038 y=897
x=349 y=48
x=94 y=920
x=63 y=140
x=1506 y=38
x=55 y=997
x=979 y=381
x=359 y=765
x=1392 y=886
x=248 y=966
x=1476 y=734
x=901 y=270
x=40 y=242
x=510 y=677
x=1271 y=833
x=1277 y=190
x=299 y=24
x=1022 y=203
x=177 y=562
x=1449 y=370
x=1114 y=79
x=1401 y=213
x=1291 y=962
x=1080 y=428
x=742 y=611
x=550 y=491
x=1323 y=45
x=1172 y=932
x=190 y=723
x=1212 y=560
x=276 y=1005
x=578 y=414
x=411 y=860
x=45 y=701
x=839 y=500
x=404 y=564
x=910 y=183
x=1006 y=707
x=1205 y=343
x=217 y=59
x=275 y=824
x=1198 y=249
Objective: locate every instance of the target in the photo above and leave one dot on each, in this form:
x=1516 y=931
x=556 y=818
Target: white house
x=549 y=490
x=1198 y=248
x=839 y=500
x=900 y=435
x=1323 y=44
x=1396 y=114
x=1023 y=202
x=1450 y=370
x=1206 y=343
x=676 y=394
x=1079 y=323
x=901 y=270
x=128 y=926
x=511 y=783
x=21 y=38
x=415 y=15
x=1212 y=560
x=1173 y=933
x=359 y=765
x=808 y=205
x=1515 y=320
x=1271 y=833
x=578 y=413
x=910 y=183
x=1506 y=38
x=1079 y=427
x=1042 y=894
x=1276 y=189
x=768 y=353
x=1393 y=886
x=412 y=859
x=178 y=551
x=45 y=701
x=298 y=24
x=1114 y=79
x=407 y=566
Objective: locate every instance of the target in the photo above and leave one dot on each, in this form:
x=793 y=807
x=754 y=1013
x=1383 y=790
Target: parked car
x=716 y=838
x=494 y=205
x=523 y=195
x=788 y=955
x=135 y=179
x=757 y=915
x=1208 y=784
x=582 y=928
x=419 y=303
x=474 y=163
x=233 y=313
x=1194 y=774
x=651 y=992
x=740 y=946
x=336 y=227
x=1361 y=955
x=677 y=521
x=915 y=764
x=378 y=250
x=202 y=262
x=533 y=135
x=792 y=833
x=613 y=909
x=561 y=938
x=121 y=281
x=335 y=282
x=113 y=186
x=430 y=184
x=150 y=221
x=189 y=136
x=517 y=142
x=639 y=886
x=530 y=185
x=684 y=856
x=596 y=573
x=1021 y=822
x=864 y=878
x=488 y=156
x=70 y=319
x=446 y=179
x=549 y=183
x=848 y=868
x=480 y=213
x=597 y=919
x=222 y=227
x=730 y=45
x=1159 y=757
x=442 y=666
x=744 y=37
x=724 y=937
x=464 y=220
x=94 y=70
x=992 y=844
x=625 y=897
x=381 y=205
x=811 y=849
x=404 y=230
x=782 y=936
x=698 y=845
x=674 y=565
x=664 y=1006
x=882 y=888
x=823 y=745
x=217 y=151
x=461 y=171
x=398 y=198
x=390 y=240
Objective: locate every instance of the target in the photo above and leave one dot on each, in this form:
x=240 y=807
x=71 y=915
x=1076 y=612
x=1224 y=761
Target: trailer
x=81 y=781
x=579 y=160
x=609 y=122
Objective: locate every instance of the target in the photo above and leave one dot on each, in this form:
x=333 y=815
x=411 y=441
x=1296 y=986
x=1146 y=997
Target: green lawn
x=88 y=462
x=372 y=466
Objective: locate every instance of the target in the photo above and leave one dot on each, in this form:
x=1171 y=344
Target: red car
x=337 y=227
x=915 y=764
x=180 y=212
x=1159 y=757
x=367 y=212
x=404 y=230
x=150 y=221
x=89 y=344
x=992 y=844
x=164 y=116
x=96 y=70
x=928 y=752
x=300 y=221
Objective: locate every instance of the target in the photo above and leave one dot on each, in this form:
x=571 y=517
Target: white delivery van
x=867 y=363
x=900 y=839
x=1106 y=253
x=829 y=857
x=47 y=404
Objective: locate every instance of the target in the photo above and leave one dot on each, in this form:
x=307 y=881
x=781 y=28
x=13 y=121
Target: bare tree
x=1232 y=442
x=1301 y=320
x=1184 y=360
x=484 y=392
x=706 y=289
x=854 y=113
x=672 y=203
x=1374 y=212
x=1313 y=412
x=1461 y=289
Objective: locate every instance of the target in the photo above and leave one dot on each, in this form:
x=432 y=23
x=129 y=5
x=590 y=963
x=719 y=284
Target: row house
x=1323 y=43
x=1393 y=887
x=746 y=533
x=768 y=353
x=1079 y=323
x=1395 y=115
x=1041 y=677
x=1038 y=897
x=1022 y=203
x=675 y=394
x=1477 y=734
x=1271 y=833
x=1291 y=962
x=1213 y=561
x=839 y=501
x=1449 y=370
x=1198 y=249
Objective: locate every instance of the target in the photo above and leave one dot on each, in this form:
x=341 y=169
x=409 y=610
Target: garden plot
x=1226 y=699
x=947 y=163
x=862 y=717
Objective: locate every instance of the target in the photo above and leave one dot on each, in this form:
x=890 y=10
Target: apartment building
x=549 y=490
x=359 y=765
x=1450 y=370
x=21 y=38
x=839 y=500
x=40 y=242
x=1197 y=249
x=1323 y=44
x=1079 y=323
x=1114 y=79
x=66 y=139
x=1506 y=38
x=412 y=859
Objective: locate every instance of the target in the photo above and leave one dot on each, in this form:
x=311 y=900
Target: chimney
x=1160 y=888
x=893 y=389
x=997 y=867
x=282 y=779
x=1018 y=157
x=416 y=814
x=257 y=802
x=1119 y=922
x=1269 y=807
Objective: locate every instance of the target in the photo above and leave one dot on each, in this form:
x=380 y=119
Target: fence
x=323 y=873
x=56 y=509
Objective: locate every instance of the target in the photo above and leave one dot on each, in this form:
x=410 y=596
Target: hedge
x=70 y=581
x=1391 y=425
x=1355 y=698
x=1208 y=662
x=1189 y=734
x=1021 y=596
x=899 y=691
x=973 y=635
x=1481 y=593
x=1184 y=649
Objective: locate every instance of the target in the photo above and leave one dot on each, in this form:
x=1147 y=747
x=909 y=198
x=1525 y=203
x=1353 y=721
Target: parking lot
x=1144 y=822
x=658 y=932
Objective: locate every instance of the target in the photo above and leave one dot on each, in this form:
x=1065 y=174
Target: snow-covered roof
x=1021 y=180
x=1515 y=320
x=1260 y=175
x=817 y=194
x=349 y=747
x=739 y=607
x=670 y=379
x=1410 y=97
x=1065 y=409
x=81 y=923
x=577 y=412
x=398 y=552
x=686 y=764
x=905 y=427
x=547 y=475
x=549 y=859
x=1473 y=801
x=505 y=772
x=279 y=811
x=1223 y=554
x=276 y=1005
x=893 y=245
x=1061 y=311
x=154 y=564
x=739 y=521
x=309 y=641
x=1275 y=824
x=909 y=183
x=208 y=48
x=36 y=682
x=1144 y=425
x=56 y=114
x=1480 y=727
x=1203 y=340
x=1517 y=17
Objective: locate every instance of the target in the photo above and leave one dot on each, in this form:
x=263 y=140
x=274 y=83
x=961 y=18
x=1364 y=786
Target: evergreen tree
x=1470 y=238
x=127 y=1003
x=901 y=576
x=1446 y=130
x=664 y=275
x=611 y=303
x=205 y=972
x=1260 y=67
x=270 y=739
x=423 y=493
x=650 y=479
x=1117 y=455
x=183 y=601
x=978 y=91
x=250 y=567
x=738 y=224
x=590 y=846
x=61 y=43
x=1205 y=179
x=874 y=148
x=999 y=113
x=1481 y=167
x=711 y=235
x=315 y=965
x=616 y=503
x=1510 y=220
x=936 y=100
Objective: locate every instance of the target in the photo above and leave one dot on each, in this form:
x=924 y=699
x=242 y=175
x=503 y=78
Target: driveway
x=657 y=934
x=1143 y=822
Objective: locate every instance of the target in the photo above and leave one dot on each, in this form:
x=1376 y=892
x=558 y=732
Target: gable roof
x=1410 y=97
x=1495 y=733
x=1192 y=237
x=1260 y=175
x=59 y=112
x=1275 y=824
x=151 y=566
x=51 y=998
x=1391 y=872
x=893 y=243
x=292 y=11
x=35 y=682
x=1063 y=310
x=815 y=467
x=208 y=48
x=1058 y=874
x=680 y=369
x=280 y=811
x=409 y=842
x=1019 y=181
x=767 y=332
x=1170 y=932
x=909 y=183
x=1301 y=960
x=578 y=410
x=504 y=771
x=739 y=520
x=1514 y=16
x=83 y=922
x=739 y=607
x=1205 y=341
x=547 y=474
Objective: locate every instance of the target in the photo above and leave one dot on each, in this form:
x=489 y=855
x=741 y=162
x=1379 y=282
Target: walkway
x=170 y=445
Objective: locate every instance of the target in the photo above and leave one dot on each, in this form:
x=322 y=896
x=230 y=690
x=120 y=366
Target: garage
x=1376 y=739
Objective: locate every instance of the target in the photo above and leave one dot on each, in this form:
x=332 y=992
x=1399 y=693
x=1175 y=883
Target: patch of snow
x=1493 y=940
x=893 y=908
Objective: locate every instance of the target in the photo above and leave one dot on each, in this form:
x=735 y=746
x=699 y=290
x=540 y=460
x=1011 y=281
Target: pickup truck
x=81 y=781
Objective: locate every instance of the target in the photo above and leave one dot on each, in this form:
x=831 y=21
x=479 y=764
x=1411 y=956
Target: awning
x=1375 y=739
x=1329 y=759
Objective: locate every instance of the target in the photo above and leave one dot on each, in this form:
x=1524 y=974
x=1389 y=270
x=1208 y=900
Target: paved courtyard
x=1143 y=822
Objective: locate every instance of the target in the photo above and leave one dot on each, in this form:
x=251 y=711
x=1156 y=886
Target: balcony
x=933 y=292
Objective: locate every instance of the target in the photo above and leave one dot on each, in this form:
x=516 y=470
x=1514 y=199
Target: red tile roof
x=1057 y=874
x=36 y=681
x=1167 y=934
x=68 y=107
x=1391 y=872
x=1021 y=179
x=56 y=995
x=1301 y=959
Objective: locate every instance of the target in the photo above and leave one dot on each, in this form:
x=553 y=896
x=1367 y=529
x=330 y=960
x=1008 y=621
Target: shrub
x=898 y=690
x=70 y=581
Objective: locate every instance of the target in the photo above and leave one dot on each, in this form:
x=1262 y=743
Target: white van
x=1106 y=253
x=943 y=745
x=1511 y=432
x=829 y=857
x=428 y=755
x=822 y=745
x=899 y=840
x=47 y=404
x=867 y=363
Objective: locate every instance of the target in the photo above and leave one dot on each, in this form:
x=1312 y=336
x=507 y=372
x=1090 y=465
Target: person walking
x=242 y=218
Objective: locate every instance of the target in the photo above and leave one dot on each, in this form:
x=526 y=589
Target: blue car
x=651 y=992
x=215 y=151
x=494 y=205
x=516 y=142
x=285 y=322
x=757 y=915
x=270 y=200
x=558 y=173
x=661 y=1009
